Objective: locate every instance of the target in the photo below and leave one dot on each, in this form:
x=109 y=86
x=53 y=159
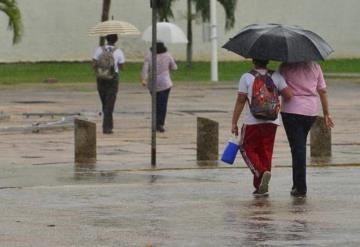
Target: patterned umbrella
x=113 y=27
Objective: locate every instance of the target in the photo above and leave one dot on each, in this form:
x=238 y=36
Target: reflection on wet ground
x=258 y=225
x=321 y=160
x=95 y=206
x=259 y=220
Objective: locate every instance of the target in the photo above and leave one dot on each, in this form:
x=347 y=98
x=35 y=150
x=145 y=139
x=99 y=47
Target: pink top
x=305 y=79
x=165 y=63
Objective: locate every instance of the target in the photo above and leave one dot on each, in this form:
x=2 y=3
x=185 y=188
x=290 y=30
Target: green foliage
x=229 y=7
x=165 y=12
x=203 y=8
x=341 y=65
x=9 y=7
x=199 y=73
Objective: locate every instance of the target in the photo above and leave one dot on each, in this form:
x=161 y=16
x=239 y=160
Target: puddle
x=193 y=112
x=31 y=157
x=34 y=102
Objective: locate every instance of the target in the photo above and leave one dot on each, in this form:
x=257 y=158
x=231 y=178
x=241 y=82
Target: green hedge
x=200 y=72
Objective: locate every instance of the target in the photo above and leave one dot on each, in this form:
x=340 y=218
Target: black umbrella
x=279 y=42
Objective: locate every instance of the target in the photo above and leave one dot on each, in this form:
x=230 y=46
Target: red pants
x=256 y=147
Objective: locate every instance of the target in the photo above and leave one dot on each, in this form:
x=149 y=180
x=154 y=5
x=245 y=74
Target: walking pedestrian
x=259 y=89
x=108 y=60
x=307 y=82
x=165 y=63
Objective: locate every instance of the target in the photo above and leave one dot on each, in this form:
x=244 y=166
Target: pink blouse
x=165 y=63
x=305 y=79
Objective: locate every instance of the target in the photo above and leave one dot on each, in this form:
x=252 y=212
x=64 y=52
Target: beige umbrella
x=113 y=27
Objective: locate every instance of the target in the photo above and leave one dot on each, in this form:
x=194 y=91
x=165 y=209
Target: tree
x=189 y=46
x=165 y=12
x=202 y=8
x=10 y=8
x=105 y=16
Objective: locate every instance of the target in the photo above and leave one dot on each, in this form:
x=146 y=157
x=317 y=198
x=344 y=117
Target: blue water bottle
x=231 y=150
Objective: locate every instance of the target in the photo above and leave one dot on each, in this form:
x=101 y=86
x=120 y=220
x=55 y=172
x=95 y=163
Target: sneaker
x=160 y=128
x=264 y=184
x=257 y=194
x=108 y=132
x=295 y=193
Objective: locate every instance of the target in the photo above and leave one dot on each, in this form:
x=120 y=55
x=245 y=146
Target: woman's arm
x=145 y=72
x=172 y=64
x=325 y=107
x=286 y=94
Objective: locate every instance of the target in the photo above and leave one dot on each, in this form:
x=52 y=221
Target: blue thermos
x=231 y=150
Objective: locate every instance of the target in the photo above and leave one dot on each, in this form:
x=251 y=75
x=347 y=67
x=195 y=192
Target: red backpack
x=265 y=103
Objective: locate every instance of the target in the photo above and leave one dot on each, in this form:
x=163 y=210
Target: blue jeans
x=161 y=106
x=297 y=128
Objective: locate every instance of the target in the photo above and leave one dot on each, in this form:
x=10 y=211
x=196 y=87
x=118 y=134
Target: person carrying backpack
x=108 y=60
x=259 y=91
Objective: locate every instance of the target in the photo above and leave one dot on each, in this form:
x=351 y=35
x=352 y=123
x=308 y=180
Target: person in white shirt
x=257 y=135
x=108 y=88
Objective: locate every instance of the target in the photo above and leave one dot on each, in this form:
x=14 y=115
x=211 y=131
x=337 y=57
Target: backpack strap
x=256 y=73
x=272 y=84
x=270 y=72
x=110 y=49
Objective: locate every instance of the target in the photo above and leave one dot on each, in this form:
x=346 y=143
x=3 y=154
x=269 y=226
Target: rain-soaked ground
x=62 y=206
x=45 y=200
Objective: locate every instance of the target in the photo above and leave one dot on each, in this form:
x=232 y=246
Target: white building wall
x=56 y=30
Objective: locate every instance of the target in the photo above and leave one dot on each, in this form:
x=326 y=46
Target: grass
x=76 y=72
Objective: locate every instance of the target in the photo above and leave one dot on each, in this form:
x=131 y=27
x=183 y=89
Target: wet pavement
x=129 y=146
x=46 y=200
x=180 y=208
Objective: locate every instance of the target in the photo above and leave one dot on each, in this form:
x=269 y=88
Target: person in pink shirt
x=307 y=82
x=165 y=63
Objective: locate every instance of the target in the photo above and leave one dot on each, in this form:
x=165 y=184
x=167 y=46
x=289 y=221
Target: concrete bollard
x=207 y=140
x=320 y=139
x=85 y=141
x=4 y=116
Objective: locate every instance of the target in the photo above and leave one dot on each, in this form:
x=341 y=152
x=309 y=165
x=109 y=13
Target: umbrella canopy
x=166 y=32
x=113 y=27
x=279 y=42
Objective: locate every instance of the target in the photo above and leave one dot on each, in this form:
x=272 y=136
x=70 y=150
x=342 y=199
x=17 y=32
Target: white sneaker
x=264 y=184
x=257 y=194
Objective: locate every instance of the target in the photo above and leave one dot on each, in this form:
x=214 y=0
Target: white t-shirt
x=117 y=54
x=245 y=87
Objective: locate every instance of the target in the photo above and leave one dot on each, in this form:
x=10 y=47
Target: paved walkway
x=129 y=146
x=48 y=201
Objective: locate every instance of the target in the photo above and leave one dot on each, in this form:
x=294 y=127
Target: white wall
x=57 y=29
